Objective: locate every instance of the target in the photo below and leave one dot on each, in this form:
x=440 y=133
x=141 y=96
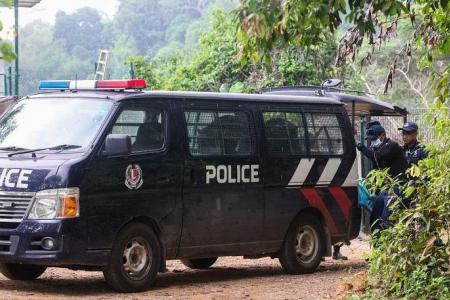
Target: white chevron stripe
x=302 y=171
x=330 y=170
x=352 y=176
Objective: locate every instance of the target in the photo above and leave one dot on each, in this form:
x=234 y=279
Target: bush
x=411 y=258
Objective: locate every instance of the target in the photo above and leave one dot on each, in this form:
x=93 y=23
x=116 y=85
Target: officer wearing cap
x=414 y=151
x=372 y=123
x=384 y=152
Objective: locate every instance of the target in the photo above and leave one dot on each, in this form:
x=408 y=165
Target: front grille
x=14 y=206
x=5 y=244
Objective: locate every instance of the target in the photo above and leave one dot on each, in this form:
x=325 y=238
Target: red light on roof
x=122 y=84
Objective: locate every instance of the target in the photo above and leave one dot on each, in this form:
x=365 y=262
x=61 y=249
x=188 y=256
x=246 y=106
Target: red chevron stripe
x=342 y=199
x=316 y=201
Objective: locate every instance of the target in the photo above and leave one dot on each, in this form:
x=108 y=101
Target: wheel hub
x=136 y=259
x=307 y=244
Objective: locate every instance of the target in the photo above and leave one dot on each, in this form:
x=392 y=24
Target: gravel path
x=230 y=278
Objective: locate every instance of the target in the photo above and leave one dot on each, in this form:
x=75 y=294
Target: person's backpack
x=365 y=199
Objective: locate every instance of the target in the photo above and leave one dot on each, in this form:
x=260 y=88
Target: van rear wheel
x=21 y=272
x=135 y=260
x=304 y=246
x=199 y=263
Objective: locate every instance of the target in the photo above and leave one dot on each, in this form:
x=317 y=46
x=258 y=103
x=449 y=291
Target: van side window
x=325 y=134
x=145 y=126
x=218 y=132
x=285 y=133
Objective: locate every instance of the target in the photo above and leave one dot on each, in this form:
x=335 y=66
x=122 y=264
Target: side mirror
x=117 y=145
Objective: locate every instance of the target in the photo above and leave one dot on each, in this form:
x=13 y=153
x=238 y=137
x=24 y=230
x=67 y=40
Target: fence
x=391 y=124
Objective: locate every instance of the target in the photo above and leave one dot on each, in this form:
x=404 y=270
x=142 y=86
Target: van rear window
x=218 y=133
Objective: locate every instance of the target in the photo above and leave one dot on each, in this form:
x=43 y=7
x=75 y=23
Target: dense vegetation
x=215 y=65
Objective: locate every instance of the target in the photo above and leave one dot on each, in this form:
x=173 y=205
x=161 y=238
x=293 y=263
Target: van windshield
x=46 y=123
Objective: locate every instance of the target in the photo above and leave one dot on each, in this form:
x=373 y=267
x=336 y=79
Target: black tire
x=135 y=260
x=199 y=263
x=21 y=272
x=305 y=258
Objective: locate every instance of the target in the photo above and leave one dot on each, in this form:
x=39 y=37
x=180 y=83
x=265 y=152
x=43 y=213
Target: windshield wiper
x=58 y=148
x=64 y=147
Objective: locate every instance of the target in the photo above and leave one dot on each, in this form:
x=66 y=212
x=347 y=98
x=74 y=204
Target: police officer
x=414 y=151
x=337 y=255
x=385 y=153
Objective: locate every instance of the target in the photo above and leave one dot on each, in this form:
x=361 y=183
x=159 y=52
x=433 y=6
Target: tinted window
x=145 y=126
x=218 y=132
x=325 y=135
x=285 y=132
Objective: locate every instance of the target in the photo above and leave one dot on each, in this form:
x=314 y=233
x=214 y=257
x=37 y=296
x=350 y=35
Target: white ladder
x=102 y=64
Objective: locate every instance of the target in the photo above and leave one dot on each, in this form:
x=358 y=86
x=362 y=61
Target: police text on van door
x=232 y=174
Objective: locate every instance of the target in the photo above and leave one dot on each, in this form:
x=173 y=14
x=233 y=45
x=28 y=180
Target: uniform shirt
x=388 y=155
x=414 y=153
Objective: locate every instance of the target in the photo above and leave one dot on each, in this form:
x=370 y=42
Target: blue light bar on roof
x=54 y=85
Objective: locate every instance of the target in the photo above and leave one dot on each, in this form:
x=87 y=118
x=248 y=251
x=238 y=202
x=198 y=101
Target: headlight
x=55 y=204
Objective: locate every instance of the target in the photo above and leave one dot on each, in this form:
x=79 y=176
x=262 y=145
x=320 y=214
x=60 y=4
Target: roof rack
x=317 y=88
x=358 y=103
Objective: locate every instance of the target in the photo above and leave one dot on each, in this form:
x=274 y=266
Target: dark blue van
x=102 y=176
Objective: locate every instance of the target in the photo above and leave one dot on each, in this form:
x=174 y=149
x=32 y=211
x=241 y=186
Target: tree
x=87 y=32
x=144 y=21
x=266 y=24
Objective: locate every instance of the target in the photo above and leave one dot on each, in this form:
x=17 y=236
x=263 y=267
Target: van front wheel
x=21 y=272
x=303 y=247
x=199 y=263
x=135 y=260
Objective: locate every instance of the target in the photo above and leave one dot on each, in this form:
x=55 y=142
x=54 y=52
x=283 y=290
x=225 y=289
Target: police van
x=99 y=175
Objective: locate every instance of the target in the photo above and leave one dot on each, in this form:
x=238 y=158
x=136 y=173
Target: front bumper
x=23 y=244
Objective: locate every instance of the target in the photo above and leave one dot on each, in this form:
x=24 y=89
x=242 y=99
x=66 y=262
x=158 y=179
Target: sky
x=47 y=9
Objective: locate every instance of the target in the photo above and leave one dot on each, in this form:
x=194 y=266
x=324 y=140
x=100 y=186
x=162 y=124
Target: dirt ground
x=229 y=278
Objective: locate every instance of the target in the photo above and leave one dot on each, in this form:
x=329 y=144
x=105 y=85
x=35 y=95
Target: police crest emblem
x=133 y=177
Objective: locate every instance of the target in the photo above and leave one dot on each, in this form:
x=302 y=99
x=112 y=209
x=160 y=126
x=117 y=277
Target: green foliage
x=267 y=24
x=407 y=260
x=6 y=50
x=215 y=66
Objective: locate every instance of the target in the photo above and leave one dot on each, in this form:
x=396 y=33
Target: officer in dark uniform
x=385 y=153
x=337 y=255
x=414 y=151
